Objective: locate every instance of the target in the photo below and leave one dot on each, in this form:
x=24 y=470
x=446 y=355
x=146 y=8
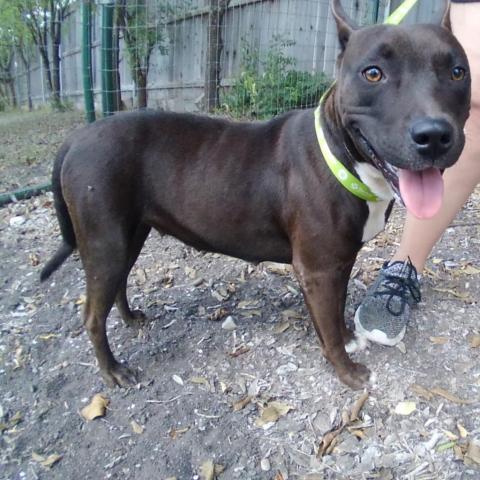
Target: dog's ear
x=445 y=22
x=344 y=25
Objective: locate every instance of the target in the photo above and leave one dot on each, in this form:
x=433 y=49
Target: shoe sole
x=375 y=335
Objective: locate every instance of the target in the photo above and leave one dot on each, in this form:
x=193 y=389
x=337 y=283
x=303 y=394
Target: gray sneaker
x=383 y=315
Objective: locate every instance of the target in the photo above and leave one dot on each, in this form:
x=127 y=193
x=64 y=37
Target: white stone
x=17 y=221
x=229 y=324
x=265 y=464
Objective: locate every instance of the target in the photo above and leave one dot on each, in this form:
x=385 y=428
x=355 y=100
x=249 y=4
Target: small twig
x=85 y=364
x=168 y=401
x=207 y=416
x=469 y=224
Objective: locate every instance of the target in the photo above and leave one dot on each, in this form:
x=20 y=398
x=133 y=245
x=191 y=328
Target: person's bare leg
x=383 y=315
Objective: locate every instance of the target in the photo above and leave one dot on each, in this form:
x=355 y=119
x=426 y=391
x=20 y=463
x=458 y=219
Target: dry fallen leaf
x=190 y=272
x=49 y=336
x=251 y=313
x=278 y=268
x=357 y=406
x=137 y=428
x=450 y=435
x=452 y=291
x=421 y=391
x=248 y=304
x=329 y=441
x=441 y=392
x=241 y=404
x=281 y=328
x=219 y=469
x=239 y=351
x=470 y=270
x=81 y=300
x=439 y=340
x=349 y=421
x=218 y=314
x=457 y=450
x=224 y=387
x=209 y=470
x=405 y=408
x=472 y=456
x=200 y=381
x=474 y=341
x=174 y=432
x=462 y=430
x=46 y=462
x=272 y=412
x=34 y=259
x=291 y=314
x=360 y=434
x=17 y=418
x=141 y=276
x=96 y=408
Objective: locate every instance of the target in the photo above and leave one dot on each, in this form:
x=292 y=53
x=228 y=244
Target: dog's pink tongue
x=422 y=191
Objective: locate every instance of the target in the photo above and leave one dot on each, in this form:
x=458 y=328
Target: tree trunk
x=29 y=88
x=56 y=75
x=13 y=93
x=55 y=35
x=46 y=67
x=116 y=73
x=214 y=51
x=141 y=87
x=24 y=56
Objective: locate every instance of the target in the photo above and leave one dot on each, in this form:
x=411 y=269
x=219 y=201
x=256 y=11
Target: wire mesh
x=242 y=58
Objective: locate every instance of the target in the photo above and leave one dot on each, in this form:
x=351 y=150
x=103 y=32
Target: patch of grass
x=28 y=143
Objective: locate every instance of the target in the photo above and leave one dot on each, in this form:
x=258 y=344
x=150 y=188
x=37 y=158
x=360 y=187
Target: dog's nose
x=432 y=137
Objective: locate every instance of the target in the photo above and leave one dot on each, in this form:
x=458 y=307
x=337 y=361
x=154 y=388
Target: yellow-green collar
x=347 y=179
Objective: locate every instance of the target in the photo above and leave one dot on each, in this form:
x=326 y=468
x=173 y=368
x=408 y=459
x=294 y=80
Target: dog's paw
x=356 y=377
x=356 y=344
x=119 y=375
x=135 y=319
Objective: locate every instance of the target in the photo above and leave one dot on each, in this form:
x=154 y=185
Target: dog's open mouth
x=420 y=191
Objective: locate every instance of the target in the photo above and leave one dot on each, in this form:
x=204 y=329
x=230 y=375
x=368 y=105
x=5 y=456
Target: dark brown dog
x=262 y=191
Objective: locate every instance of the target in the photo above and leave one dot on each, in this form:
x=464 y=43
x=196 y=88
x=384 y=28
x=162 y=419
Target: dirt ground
x=256 y=399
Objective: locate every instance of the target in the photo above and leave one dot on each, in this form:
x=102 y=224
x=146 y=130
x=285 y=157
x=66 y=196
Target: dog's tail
x=69 y=241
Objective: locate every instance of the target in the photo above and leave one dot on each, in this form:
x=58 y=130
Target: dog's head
x=403 y=95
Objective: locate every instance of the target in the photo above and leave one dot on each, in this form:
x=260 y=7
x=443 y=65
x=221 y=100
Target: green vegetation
x=271 y=85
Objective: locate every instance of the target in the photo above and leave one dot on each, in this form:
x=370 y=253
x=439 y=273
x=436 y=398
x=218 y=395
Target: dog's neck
x=347 y=152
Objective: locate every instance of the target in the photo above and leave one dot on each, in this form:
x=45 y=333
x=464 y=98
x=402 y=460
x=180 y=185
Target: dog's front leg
x=324 y=289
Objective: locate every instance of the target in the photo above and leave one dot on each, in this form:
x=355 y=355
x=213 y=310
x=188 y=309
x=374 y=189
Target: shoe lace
x=400 y=287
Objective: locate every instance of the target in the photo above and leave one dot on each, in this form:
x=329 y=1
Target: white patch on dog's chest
x=374 y=179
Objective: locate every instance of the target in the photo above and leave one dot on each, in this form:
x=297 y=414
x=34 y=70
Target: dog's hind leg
x=105 y=259
x=131 y=317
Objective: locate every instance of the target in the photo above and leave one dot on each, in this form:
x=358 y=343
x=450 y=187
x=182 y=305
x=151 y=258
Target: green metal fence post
x=87 y=60
x=376 y=11
x=108 y=99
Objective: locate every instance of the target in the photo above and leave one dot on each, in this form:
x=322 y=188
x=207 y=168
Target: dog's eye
x=458 y=73
x=373 y=74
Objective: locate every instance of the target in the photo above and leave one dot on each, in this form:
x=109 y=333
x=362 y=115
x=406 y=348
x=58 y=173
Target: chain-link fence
x=246 y=58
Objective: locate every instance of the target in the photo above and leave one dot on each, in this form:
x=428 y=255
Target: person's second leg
x=383 y=315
